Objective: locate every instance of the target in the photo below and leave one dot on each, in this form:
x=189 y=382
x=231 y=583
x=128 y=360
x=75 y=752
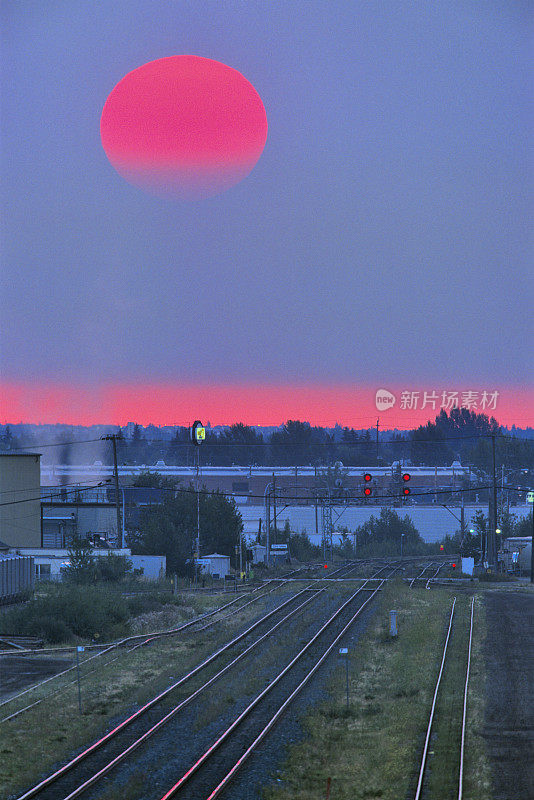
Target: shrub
x=113 y=568
x=67 y=610
x=50 y=629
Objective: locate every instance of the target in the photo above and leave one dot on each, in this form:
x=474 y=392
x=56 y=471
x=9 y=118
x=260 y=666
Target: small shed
x=215 y=564
x=150 y=567
x=258 y=553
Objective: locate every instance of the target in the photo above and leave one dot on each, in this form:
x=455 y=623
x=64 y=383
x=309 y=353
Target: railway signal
x=406 y=489
x=198 y=433
x=367 y=489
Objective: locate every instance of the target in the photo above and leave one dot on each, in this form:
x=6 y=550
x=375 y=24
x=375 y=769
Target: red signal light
x=367 y=491
x=406 y=491
x=454 y=566
x=367 y=477
x=326 y=566
x=406 y=476
x=441 y=547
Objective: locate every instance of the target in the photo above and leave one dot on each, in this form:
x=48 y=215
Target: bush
x=146 y=602
x=67 y=610
x=113 y=568
x=53 y=631
x=301 y=548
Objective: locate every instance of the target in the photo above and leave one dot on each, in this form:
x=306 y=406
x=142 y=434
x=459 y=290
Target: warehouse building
x=20 y=509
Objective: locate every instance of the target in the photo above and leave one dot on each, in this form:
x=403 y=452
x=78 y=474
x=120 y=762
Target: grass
x=54 y=730
x=65 y=613
x=477 y=776
x=372 y=750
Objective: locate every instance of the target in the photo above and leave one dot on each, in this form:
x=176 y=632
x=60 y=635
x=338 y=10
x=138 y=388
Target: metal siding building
x=16 y=575
x=20 y=481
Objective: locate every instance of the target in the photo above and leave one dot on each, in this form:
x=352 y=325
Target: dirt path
x=509 y=722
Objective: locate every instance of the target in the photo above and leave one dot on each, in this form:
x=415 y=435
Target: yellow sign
x=198 y=432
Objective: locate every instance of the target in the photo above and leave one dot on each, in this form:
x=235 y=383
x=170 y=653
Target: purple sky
x=381 y=238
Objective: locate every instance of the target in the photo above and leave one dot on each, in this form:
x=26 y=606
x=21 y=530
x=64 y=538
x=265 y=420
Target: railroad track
x=211 y=774
x=436 y=573
x=419 y=576
x=438 y=565
x=453 y=713
x=347 y=569
x=91 y=765
x=192 y=626
x=149 y=717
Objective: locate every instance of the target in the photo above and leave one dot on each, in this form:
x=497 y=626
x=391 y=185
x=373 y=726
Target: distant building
x=20 y=509
x=215 y=564
x=516 y=553
x=298 y=484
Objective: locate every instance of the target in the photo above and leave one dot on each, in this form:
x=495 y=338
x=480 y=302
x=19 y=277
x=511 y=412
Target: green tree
x=381 y=536
x=450 y=437
x=81 y=568
x=240 y=444
x=523 y=526
x=113 y=568
x=170 y=529
x=301 y=547
x=154 y=480
x=300 y=443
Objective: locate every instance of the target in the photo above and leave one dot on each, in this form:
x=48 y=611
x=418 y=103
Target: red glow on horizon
x=184 y=126
x=222 y=404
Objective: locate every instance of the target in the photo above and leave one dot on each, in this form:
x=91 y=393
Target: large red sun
x=184 y=126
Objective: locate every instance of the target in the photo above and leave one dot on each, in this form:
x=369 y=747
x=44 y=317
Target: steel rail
x=427 y=566
x=427 y=584
x=107 y=648
x=433 y=708
x=41 y=651
x=136 y=714
x=229 y=776
x=68 y=648
x=464 y=713
x=147 y=638
x=177 y=786
x=154 y=728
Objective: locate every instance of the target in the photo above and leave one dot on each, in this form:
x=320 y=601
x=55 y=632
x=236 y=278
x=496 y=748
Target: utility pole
x=274 y=510
x=268 y=524
x=112 y=437
x=492 y=543
x=377 y=424
x=532 y=549
x=198 y=502
x=316 y=511
x=198 y=436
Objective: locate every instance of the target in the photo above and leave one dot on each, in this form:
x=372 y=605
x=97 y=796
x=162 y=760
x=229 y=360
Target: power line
x=311 y=496
x=261 y=497
x=49 y=444
x=51 y=496
x=49 y=486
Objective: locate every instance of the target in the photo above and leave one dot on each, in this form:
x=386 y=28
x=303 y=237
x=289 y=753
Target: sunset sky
x=381 y=240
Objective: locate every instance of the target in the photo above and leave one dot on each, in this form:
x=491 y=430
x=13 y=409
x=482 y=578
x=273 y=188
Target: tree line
x=459 y=435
